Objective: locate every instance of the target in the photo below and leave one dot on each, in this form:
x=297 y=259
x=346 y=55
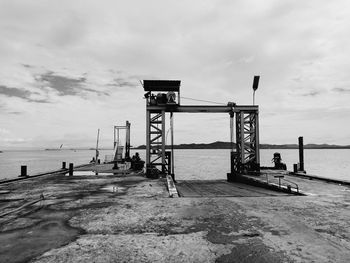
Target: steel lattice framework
x=155 y=148
x=247 y=141
x=244 y=159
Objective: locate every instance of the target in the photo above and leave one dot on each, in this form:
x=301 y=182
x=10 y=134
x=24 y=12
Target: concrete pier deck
x=129 y=218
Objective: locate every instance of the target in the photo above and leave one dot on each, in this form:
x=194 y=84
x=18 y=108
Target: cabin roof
x=161 y=85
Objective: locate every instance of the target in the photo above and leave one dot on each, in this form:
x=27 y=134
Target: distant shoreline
x=227 y=145
x=198 y=146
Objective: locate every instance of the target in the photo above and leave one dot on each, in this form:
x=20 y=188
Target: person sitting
x=136 y=162
x=136 y=157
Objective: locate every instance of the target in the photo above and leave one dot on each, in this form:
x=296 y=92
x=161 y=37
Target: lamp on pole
x=255 y=86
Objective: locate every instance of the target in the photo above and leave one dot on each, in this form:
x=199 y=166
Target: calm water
x=189 y=164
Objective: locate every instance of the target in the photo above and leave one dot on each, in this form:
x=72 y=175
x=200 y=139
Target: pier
x=127 y=217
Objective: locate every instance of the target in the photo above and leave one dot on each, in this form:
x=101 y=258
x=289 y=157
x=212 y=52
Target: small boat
x=54 y=149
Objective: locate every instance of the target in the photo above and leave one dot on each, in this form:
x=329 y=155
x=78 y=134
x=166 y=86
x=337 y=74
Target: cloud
x=67 y=86
x=20 y=93
x=15 y=140
x=300 y=49
x=341 y=90
x=99 y=93
x=312 y=93
x=64 y=85
x=124 y=82
x=27 y=66
x=4 y=131
x=15 y=112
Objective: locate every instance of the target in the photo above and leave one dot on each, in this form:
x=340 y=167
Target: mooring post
x=71 y=169
x=24 y=171
x=301 y=153
x=295 y=168
x=233 y=172
x=63 y=165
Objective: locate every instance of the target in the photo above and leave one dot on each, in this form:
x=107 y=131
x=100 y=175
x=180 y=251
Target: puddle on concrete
x=21 y=245
x=105 y=173
x=113 y=189
x=82 y=173
x=86 y=173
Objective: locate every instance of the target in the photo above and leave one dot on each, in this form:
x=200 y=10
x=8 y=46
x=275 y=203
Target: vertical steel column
x=257 y=141
x=247 y=134
x=231 y=130
x=97 y=153
x=163 y=142
x=238 y=142
x=148 y=137
x=233 y=155
x=127 y=140
x=172 y=144
x=241 y=142
x=155 y=148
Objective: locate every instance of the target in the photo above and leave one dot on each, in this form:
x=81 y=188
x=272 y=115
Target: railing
x=281 y=178
x=296 y=186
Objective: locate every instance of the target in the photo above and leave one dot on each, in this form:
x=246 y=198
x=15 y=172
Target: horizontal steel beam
x=202 y=108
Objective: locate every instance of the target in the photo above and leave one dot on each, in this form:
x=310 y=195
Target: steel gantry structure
x=163 y=96
x=118 y=147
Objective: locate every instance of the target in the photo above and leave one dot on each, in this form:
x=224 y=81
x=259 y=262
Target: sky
x=70 y=67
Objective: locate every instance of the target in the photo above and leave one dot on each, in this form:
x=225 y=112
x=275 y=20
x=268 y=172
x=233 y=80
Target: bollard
x=24 y=171
x=295 y=168
x=301 y=153
x=63 y=165
x=70 y=169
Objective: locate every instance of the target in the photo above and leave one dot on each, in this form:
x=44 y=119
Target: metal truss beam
x=202 y=108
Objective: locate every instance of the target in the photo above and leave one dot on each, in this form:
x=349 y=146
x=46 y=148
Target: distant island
x=227 y=145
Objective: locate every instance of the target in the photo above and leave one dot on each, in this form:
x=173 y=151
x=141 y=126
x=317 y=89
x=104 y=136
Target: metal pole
x=232 y=160
x=301 y=153
x=253 y=97
x=24 y=171
x=127 y=143
x=114 y=138
x=231 y=130
x=148 y=155
x=257 y=141
x=71 y=169
x=172 y=143
x=98 y=137
x=242 y=139
x=163 y=142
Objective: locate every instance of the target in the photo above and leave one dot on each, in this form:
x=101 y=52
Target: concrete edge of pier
x=171 y=187
x=246 y=179
x=315 y=177
x=52 y=172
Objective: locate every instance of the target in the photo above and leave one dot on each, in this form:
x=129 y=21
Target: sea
x=189 y=164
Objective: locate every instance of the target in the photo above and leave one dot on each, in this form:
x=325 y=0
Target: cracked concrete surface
x=107 y=218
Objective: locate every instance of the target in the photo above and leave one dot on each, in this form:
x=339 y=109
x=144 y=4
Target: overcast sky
x=68 y=68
